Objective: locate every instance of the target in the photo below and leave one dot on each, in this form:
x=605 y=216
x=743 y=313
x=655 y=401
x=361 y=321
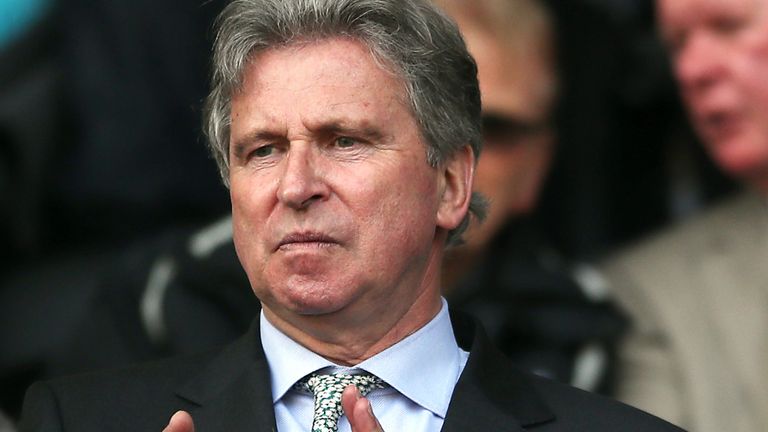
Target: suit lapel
x=233 y=392
x=490 y=394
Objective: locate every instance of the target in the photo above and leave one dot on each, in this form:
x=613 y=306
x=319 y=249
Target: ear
x=456 y=176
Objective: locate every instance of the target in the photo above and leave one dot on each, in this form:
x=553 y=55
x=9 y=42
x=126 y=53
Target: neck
x=352 y=344
x=363 y=329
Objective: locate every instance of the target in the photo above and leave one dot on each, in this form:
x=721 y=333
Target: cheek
x=252 y=195
x=243 y=205
x=248 y=221
x=408 y=194
x=753 y=70
x=760 y=90
x=245 y=246
x=497 y=171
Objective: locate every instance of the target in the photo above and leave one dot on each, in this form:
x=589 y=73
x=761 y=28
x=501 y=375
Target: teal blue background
x=18 y=15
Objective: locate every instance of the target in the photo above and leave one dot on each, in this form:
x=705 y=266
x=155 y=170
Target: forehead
x=689 y=12
x=318 y=78
x=334 y=60
x=515 y=79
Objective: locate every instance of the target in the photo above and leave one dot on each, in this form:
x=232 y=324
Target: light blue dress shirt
x=421 y=371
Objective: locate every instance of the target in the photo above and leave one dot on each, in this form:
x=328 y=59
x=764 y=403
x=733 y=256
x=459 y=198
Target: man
x=184 y=292
x=347 y=132
x=533 y=305
x=698 y=292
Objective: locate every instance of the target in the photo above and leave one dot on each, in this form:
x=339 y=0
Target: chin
x=304 y=296
x=742 y=156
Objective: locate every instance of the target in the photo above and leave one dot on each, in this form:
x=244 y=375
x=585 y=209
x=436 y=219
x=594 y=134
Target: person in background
x=542 y=310
x=698 y=291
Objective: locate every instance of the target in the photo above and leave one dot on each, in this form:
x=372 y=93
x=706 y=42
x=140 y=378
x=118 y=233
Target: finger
x=359 y=411
x=349 y=397
x=180 y=422
x=365 y=420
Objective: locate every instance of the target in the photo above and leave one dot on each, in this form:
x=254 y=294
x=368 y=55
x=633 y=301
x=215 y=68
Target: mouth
x=721 y=125
x=306 y=240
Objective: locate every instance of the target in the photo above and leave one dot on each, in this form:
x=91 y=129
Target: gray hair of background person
x=410 y=38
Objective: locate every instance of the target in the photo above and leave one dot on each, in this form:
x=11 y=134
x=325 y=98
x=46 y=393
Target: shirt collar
x=424 y=366
x=288 y=360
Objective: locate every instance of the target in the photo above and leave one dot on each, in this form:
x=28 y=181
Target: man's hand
x=180 y=422
x=358 y=411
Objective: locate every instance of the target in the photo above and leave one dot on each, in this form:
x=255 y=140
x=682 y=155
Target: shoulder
x=133 y=398
x=575 y=409
x=678 y=256
x=698 y=235
x=163 y=375
x=494 y=393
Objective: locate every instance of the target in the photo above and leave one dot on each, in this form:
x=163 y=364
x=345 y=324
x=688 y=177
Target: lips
x=720 y=124
x=306 y=239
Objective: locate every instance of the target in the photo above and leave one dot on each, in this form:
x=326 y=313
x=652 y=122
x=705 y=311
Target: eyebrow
x=340 y=127
x=240 y=146
x=335 y=127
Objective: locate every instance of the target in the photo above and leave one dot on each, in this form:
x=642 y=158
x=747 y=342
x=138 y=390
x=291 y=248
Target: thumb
x=180 y=422
x=359 y=412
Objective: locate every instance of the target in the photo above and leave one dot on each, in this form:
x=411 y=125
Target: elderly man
x=347 y=131
x=699 y=292
x=190 y=292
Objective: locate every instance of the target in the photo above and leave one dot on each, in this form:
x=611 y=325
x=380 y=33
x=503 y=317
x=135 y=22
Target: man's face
x=720 y=54
x=518 y=143
x=335 y=208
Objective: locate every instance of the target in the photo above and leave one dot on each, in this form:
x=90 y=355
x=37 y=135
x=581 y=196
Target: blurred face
x=516 y=95
x=720 y=54
x=335 y=209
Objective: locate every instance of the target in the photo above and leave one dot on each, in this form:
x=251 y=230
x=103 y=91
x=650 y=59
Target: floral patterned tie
x=328 y=389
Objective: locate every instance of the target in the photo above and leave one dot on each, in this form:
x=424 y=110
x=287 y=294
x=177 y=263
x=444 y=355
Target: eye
x=509 y=131
x=345 y=142
x=728 y=24
x=263 y=151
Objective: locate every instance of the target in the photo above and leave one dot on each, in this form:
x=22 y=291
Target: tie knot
x=327 y=389
x=331 y=384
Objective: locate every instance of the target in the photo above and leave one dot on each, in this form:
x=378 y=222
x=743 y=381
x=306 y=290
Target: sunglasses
x=509 y=131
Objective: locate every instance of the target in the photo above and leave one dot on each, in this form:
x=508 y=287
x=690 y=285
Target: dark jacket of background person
x=99 y=149
x=100 y=125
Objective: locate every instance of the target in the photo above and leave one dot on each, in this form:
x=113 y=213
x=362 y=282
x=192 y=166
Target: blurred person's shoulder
x=690 y=260
x=734 y=221
x=693 y=292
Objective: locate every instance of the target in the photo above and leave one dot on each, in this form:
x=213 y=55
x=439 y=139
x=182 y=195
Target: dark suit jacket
x=230 y=391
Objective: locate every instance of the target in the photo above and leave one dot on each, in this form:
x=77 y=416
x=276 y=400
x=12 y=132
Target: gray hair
x=410 y=38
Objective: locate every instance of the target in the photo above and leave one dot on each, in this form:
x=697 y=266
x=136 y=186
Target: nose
x=700 y=63
x=301 y=183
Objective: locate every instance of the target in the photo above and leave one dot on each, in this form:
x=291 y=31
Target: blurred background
x=107 y=188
